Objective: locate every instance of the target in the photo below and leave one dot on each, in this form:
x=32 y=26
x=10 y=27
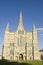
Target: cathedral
x=20 y=45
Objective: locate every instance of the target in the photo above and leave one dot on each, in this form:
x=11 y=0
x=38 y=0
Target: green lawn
x=33 y=62
x=4 y=62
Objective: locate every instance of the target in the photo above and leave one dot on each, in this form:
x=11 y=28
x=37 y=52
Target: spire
x=34 y=27
x=20 y=20
x=20 y=26
x=7 y=27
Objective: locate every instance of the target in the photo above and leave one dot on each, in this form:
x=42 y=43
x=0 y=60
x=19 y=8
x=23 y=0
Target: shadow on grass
x=5 y=62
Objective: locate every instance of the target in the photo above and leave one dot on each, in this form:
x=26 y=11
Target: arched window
x=21 y=41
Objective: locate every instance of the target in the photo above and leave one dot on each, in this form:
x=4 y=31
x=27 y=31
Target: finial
x=7 y=27
x=34 y=26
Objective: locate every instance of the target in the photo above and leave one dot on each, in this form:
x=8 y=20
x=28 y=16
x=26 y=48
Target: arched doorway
x=21 y=57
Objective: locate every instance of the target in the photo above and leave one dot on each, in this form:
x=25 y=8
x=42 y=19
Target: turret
x=34 y=32
x=7 y=31
x=6 y=38
x=35 y=51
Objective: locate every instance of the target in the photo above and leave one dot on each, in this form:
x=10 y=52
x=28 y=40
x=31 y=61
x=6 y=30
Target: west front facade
x=20 y=45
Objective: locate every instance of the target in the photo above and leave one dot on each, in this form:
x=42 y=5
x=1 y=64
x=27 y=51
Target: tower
x=6 y=40
x=35 y=51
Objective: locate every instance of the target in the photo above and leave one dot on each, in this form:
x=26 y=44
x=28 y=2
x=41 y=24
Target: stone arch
x=21 y=57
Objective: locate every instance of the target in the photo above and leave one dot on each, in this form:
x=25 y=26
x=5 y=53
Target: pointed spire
x=7 y=27
x=20 y=26
x=20 y=21
x=34 y=27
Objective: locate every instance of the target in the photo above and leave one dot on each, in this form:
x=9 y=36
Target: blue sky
x=32 y=11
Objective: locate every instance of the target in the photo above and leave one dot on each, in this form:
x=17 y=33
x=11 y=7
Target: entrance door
x=21 y=57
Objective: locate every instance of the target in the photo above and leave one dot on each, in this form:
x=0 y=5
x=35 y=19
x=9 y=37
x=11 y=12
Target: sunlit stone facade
x=20 y=45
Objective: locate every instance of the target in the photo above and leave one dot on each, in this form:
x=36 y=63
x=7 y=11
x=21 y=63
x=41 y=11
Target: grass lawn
x=4 y=62
x=33 y=62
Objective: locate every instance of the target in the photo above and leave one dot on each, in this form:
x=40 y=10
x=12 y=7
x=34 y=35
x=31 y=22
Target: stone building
x=20 y=45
